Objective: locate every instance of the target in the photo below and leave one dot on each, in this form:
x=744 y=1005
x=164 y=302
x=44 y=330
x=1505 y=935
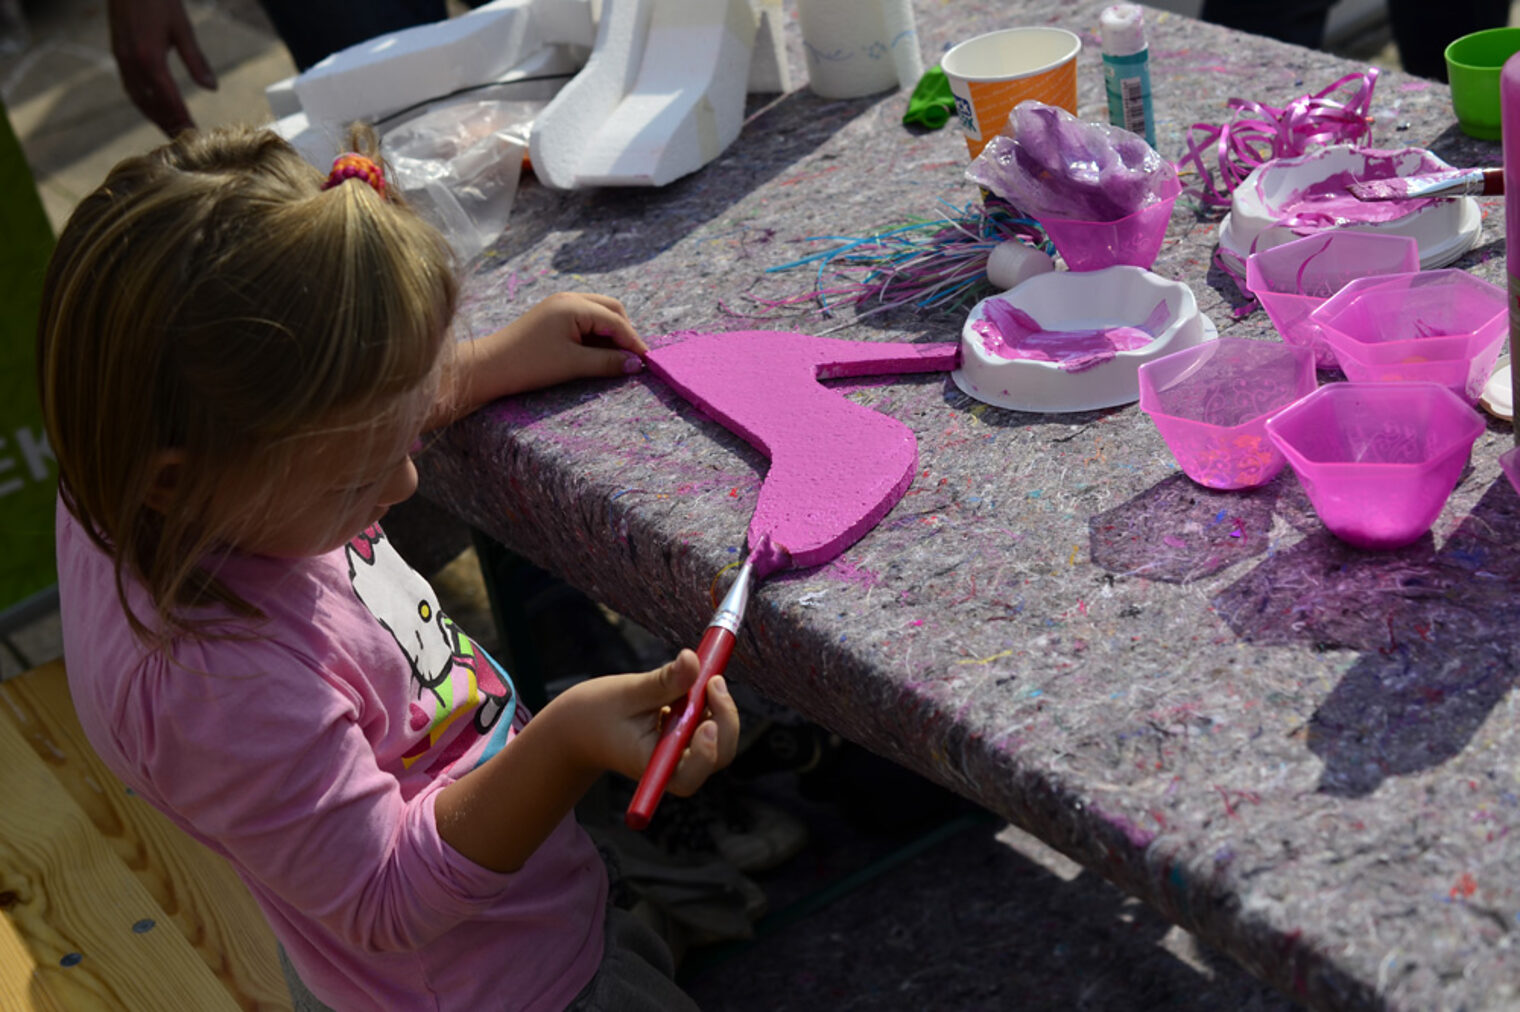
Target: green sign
x=28 y=473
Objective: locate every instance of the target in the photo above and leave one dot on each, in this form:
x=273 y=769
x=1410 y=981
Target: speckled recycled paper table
x=1307 y=754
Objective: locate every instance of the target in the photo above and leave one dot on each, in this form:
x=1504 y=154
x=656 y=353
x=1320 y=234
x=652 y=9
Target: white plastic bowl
x=1443 y=229
x=1086 y=300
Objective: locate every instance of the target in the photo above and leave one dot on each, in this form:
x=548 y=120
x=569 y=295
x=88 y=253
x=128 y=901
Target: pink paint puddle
x=1328 y=204
x=1009 y=332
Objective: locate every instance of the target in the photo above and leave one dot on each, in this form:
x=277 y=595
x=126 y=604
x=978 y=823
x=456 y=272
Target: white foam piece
x=687 y=103
x=282 y=98
x=318 y=143
x=393 y=71
x=1013 y=262
x=583 y=105
x=565 y=22
x=768 y=70
x=902 y=33
x=531 y=84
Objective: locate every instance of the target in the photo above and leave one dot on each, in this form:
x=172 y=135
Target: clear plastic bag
x=1057 y=166
x=458 y=165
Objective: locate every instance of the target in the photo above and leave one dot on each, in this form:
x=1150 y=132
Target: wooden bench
x=108 y=905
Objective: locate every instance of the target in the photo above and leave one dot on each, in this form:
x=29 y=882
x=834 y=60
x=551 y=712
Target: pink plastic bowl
x=1211 y=403
x=1509 y=461
x=1378 y=460
x=1441 y=326
x=1135 y=240
x=1294 y=279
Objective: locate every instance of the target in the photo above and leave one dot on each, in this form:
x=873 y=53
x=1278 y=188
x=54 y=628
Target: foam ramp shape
x=837 y=467
x=661 y=96
x=768 y=69
x=393 y=71
x=583 y=105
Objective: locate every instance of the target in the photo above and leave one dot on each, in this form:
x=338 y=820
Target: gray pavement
x=66 y=102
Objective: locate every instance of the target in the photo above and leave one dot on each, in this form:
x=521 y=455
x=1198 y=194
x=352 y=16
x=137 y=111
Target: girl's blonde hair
x=212 y=300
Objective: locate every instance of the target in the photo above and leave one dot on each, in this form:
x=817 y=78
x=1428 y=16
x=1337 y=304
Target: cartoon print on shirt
x=450 y=673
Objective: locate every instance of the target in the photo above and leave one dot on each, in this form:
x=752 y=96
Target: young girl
x=236 y=362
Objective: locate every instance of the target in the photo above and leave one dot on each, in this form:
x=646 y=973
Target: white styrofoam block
x=533 y=82
x=541 y=74
x=565 y=22
x=687 y=102
x=318 y=143
x=393 y=71
x=560 y=132
x=282 y=98
x=768 y=70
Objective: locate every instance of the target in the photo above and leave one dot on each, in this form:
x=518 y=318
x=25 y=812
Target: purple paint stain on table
x=1137 y=835
x=837 y=467
x=848 y=572
x=1009 y=332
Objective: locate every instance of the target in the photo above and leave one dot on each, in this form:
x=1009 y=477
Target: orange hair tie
x=352 y=165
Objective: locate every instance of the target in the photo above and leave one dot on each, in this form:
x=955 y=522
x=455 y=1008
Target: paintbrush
x=712 y=657
x=1447 y=183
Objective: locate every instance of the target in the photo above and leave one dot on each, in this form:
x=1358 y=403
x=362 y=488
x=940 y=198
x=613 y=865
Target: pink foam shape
x=837 y=467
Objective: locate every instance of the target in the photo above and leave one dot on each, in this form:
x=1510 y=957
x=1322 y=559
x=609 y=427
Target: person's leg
x=637 y=972
x=311 y=29
x=1301 y=22
x=1423 y=29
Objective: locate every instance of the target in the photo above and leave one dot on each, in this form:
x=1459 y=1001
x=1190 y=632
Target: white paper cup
x=992 y=73
x=859 y=47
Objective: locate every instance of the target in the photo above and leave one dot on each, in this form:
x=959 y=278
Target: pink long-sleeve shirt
x=310 y=752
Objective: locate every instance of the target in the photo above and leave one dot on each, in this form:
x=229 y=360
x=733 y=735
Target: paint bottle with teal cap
x=1127 y=70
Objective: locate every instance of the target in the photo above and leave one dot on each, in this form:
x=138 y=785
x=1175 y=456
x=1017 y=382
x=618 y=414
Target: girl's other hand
x=572 y=335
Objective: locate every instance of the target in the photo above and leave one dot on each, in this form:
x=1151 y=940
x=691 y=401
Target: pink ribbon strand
x=1338 y=114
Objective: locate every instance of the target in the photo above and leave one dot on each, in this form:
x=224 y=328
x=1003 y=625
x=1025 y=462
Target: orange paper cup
x=992 y=73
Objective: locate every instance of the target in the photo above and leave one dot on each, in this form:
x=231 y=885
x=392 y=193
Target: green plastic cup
x=1473 y=63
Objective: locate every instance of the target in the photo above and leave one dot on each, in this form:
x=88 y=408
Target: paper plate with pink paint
x=1499 y=393
x=1075 y=341
x=1286 y=198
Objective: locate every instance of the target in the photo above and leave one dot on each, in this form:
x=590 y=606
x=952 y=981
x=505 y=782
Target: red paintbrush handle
x=712 y=657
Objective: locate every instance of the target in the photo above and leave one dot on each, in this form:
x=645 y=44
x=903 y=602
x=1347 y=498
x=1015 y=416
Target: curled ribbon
x=1260 y=132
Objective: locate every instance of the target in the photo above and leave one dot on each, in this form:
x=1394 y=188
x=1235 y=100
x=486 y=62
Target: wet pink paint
x=767 y=557
x=1009 y=332
x=837 y=467
x=1388 y=189
x=1396 y=187
x=1327 y=203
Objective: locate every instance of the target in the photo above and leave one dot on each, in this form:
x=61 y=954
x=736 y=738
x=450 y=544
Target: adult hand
x=142 y=34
